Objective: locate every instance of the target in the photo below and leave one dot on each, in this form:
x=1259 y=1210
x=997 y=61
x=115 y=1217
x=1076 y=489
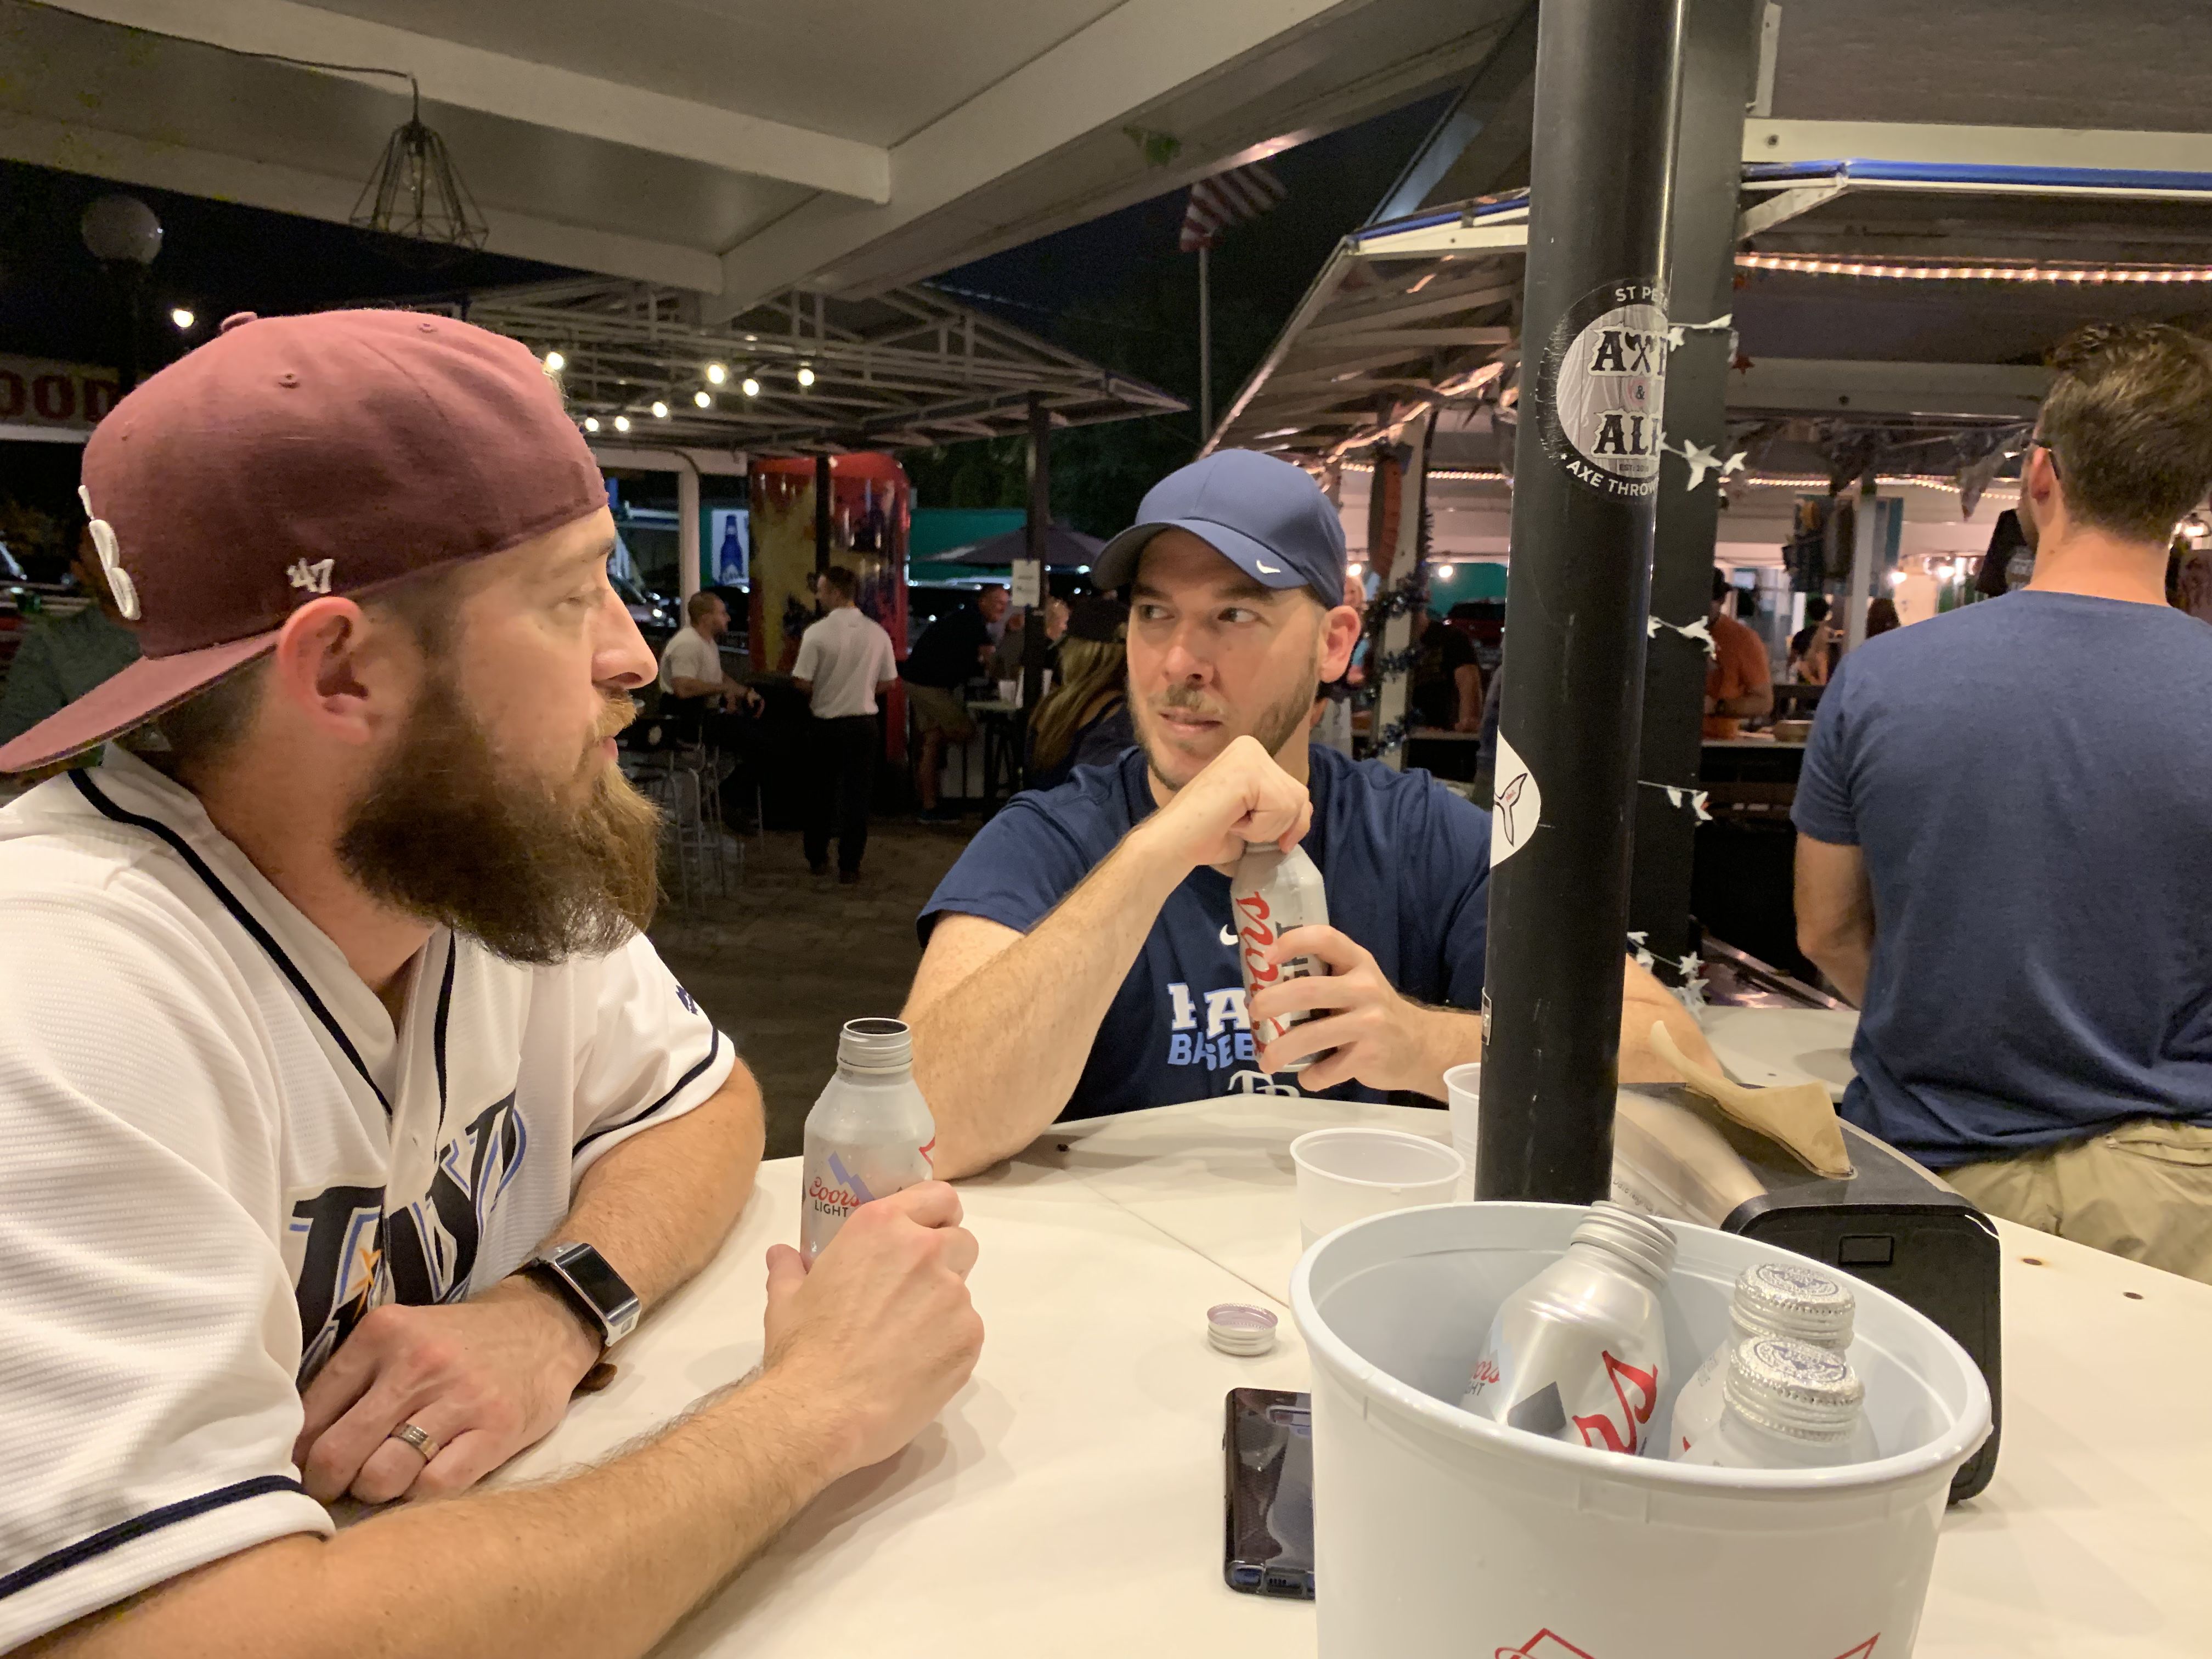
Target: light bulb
x=622 y=422
x=659 y=409
x=591 y=423
x=716 y=374
x=749 y=386
x=1445 y=571
x=703 y=399
x=181 y=317
x=554 y=360
x=1897 y=579
x=806 y=375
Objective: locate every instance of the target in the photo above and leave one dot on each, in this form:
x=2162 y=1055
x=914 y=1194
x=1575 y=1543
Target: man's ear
x=1340 y=636
x=341 y=670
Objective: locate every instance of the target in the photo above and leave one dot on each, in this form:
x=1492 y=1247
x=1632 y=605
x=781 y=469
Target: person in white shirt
x=845 y=663
x=691 y=662
x=348 y=1115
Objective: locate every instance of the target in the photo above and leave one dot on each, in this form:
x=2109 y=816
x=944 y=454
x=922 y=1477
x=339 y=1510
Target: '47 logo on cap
x=315 y=578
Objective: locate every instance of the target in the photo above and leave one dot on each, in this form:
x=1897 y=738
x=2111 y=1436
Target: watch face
x=589 y=1272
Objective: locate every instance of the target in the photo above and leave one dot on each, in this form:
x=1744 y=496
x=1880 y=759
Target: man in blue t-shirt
x=2005 y=839
x=1079 y=956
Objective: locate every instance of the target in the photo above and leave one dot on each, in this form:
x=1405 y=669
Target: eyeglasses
x=2038 y=443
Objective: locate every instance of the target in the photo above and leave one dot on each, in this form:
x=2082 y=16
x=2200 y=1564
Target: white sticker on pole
x=1026 y=585
x=1515 y=804
x=1601 y=389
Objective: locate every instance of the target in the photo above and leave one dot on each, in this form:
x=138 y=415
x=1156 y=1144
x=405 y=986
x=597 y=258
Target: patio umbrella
x=1063 y=548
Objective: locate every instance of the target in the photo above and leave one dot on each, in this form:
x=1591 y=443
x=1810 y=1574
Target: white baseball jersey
x=217 y=1155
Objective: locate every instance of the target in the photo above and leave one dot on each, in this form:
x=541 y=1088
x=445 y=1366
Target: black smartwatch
x=583 y=1279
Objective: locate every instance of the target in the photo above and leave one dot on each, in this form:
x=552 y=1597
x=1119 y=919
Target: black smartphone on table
x=1269 y=1458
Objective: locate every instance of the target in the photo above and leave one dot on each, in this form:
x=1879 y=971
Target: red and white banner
x=41 y=391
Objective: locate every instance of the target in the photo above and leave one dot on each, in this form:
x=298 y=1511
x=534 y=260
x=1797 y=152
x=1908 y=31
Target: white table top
x=1767 y=1046
x=1069 y=1501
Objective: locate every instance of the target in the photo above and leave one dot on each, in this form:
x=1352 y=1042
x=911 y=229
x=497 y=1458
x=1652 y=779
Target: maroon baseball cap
x=292 y=457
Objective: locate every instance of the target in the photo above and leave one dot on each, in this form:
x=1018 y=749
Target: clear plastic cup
x=1463 y=1086
x=1347 y=1174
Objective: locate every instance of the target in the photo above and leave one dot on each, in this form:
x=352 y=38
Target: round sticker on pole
x=1601 y=385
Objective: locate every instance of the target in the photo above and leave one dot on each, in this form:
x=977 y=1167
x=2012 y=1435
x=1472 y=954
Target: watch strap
x=584 y=1278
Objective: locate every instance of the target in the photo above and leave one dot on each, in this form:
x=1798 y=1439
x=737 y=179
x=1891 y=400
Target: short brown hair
x=700 y=604
x=843 y=579
x=2129 y=421
x=199 y=730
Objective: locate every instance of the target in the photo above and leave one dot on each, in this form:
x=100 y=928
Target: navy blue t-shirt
x=2030 y=780
x=1407 y=863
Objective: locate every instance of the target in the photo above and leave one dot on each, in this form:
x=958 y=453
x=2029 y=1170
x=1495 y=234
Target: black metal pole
x=1035 y=646
x=824 y=493
x=1720 y=67
x=1585 y=476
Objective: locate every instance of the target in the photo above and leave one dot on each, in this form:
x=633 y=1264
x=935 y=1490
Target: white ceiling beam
x=134 y=161
x=470 y=77
x=714 y=463
x=1102 y=74
x=1875 y=388
x=1947 y=142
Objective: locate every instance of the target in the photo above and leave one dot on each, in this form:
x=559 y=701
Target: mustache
x=1190 y=697
x=619 y=715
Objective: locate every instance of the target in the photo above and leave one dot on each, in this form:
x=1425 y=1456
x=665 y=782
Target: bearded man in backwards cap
x=349 y=1116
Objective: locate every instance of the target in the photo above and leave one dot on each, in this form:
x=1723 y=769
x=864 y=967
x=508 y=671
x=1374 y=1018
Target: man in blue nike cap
x=1078 y=959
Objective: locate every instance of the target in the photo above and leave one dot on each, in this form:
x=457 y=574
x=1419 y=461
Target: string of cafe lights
x=716 y=374
x=1807 y=266
x=1760 y=480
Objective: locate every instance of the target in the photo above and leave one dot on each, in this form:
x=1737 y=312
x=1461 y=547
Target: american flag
x=1226 y=199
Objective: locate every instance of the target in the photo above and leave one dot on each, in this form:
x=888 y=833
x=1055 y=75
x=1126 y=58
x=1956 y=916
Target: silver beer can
x=1579 y=1353
x=1271 y=893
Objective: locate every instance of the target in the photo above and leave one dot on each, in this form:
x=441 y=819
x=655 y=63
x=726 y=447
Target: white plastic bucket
x=1440 y=1532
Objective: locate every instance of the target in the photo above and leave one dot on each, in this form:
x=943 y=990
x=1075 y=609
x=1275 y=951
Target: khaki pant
x=936 y=709
x=2143 y=1191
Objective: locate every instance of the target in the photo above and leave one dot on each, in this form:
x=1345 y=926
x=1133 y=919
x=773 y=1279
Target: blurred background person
x=952 y=650
x=1447 y=691
x=1882 y=616
x=1085 y=720
x=845 y=663
x=1813 y=648
x=1740 y=683
x=62 y=658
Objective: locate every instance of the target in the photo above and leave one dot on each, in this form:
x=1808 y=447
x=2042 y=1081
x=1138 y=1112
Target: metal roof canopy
x=906 y=367
x=737 y=148
x=1419 y=313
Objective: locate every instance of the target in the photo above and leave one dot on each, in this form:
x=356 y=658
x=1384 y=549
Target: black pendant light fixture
x=417 y=192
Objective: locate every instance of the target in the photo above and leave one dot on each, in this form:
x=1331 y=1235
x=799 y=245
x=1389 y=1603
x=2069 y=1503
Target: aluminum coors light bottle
x=1578 y=1352
x=1272 y=892
x=869 y=1135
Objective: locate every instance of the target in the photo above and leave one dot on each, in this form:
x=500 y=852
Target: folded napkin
x=1799 y=1117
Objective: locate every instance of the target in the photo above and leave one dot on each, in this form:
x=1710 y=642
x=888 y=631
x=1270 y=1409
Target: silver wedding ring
x=425 y=1448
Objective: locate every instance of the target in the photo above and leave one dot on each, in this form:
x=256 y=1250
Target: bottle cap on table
x=1235 y=1328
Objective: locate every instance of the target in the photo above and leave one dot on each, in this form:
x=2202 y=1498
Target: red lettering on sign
x=100 y=397
x=54 y=396
x=15 y=396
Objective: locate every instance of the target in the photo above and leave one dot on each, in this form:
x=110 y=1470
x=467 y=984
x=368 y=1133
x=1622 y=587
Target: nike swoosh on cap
x=1267 y=569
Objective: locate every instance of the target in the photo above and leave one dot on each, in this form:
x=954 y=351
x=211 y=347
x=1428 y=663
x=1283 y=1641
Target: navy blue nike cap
x=1266 y=517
